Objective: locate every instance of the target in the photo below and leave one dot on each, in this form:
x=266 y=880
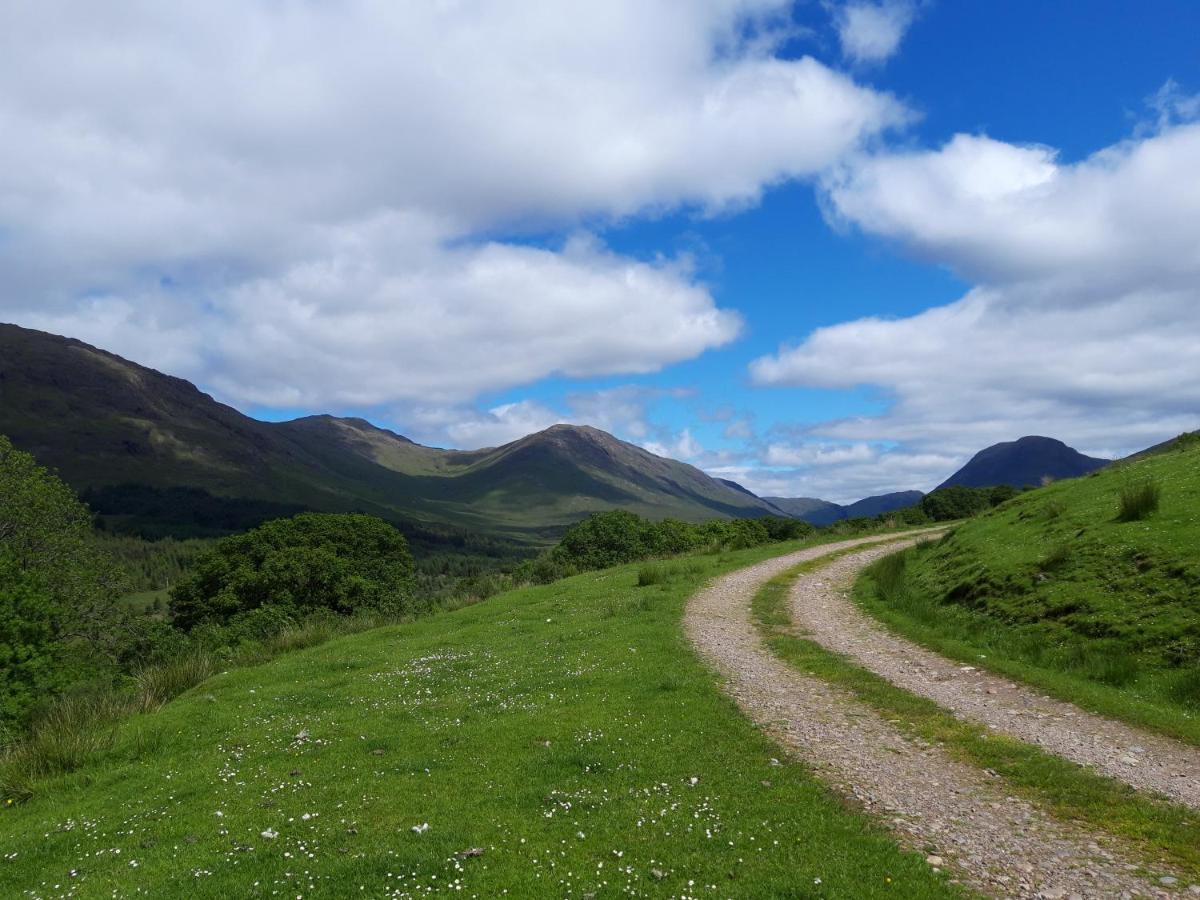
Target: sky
x=823 y=248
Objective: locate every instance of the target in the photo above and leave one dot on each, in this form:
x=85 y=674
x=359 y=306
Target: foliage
x=57 y=591
x=1138 y=500
x=617 y=537
x=961 y=502
x=345 y=563
x=151 y=565
x=180 y=512
x=30 y=648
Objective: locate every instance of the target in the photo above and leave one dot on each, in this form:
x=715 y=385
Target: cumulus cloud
x=871 y=32
x=288 y=202
x=622 y=410
x=1084 y=319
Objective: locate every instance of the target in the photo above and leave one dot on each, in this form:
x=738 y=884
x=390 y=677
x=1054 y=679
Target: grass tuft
x=157 y=685
x=1138 y=500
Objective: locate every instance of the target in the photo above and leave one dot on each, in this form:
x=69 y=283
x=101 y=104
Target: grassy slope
x=558 y=727
x=1166 y=835
x=1052 y=588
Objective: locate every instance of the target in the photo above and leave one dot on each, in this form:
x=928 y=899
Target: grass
x=1138 y=500
x=567 y=731
x=1166 y=833
x=1076 y=588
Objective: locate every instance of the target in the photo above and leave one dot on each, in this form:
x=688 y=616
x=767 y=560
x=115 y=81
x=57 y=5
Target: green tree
x=956 y=502
x=58 y=592
x=30 y=641
x=606 y=539
x=314 y=561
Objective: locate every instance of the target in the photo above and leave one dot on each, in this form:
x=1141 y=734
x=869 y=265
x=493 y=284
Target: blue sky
x=823 y=248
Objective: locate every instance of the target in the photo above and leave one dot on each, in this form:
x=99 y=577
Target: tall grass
x=156 y=685
x=1138 y=500
x=890 y=575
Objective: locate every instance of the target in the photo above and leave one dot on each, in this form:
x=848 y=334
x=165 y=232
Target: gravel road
x=990 y=840
x=821 y=608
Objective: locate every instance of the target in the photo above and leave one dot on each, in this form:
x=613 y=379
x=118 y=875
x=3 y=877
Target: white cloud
x=1082 y=327
x=870 y=31
x=814 y=454
x=621 y=410
x=286 y=201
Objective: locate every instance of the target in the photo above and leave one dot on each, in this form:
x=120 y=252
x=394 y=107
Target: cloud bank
x=1084 y=320
x=296 y=204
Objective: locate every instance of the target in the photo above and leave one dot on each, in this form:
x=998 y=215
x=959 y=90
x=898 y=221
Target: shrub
x=340 y=562
x=607 y=539
x=957 y=502
x=1138 y=500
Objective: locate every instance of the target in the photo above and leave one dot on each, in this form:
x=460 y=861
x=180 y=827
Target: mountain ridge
x=1027 y=461
x=103 y=421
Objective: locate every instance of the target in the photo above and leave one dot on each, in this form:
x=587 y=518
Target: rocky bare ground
x=991 y=840
x=822 y=609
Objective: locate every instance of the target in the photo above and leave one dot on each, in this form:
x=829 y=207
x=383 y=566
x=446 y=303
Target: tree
x=314 y=561
x=58 y=592
x=606 y=539
x=956 y=502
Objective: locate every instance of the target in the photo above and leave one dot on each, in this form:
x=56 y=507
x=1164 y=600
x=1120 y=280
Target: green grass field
x=567 y=731
x=1057 y=588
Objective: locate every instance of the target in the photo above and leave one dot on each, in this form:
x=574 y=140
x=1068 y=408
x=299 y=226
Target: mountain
x=1027 y=461
x=107 y=424
x=811 y=509
x=824 y=512
x=883 y=503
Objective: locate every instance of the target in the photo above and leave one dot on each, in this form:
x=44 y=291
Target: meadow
x=557 y=740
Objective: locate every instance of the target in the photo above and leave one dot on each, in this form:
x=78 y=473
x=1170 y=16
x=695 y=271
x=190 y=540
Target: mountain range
x=144 y=447
x=106 y=424
x=825 y=512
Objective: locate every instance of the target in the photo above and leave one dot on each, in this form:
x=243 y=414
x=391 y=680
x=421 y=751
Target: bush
x=957 y=502
x=344 y=563
x=1138 y=500
x=608 y=539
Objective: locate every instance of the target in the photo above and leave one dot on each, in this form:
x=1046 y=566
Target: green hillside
x=105 y=423
x=555 y=741
x=1063 y=588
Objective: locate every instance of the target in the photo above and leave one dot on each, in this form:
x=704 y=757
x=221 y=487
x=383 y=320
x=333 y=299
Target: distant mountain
x=823 y=512
x=105 y=422
x=883 y=503
x=1027 y=461
x=810 y=509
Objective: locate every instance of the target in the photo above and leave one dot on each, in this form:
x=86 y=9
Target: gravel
x=997 y=844
x=821 y=608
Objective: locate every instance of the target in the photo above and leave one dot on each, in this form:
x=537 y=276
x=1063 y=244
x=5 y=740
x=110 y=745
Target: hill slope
x=563 y=732
x=1055 y=587
x=1023 y=463
x=101 y=421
